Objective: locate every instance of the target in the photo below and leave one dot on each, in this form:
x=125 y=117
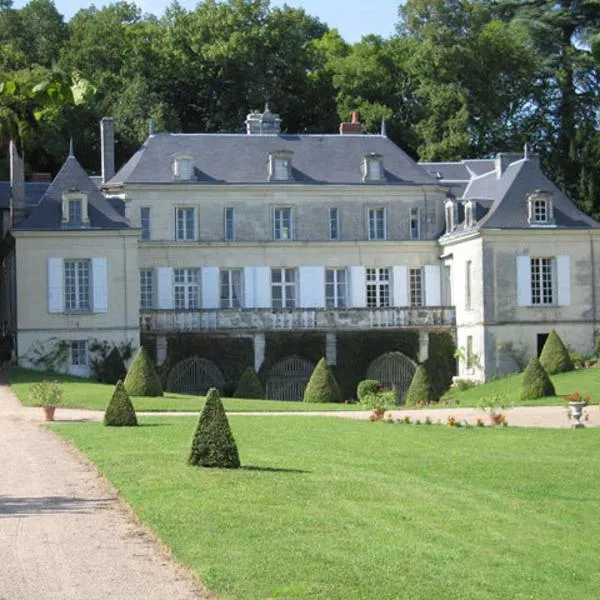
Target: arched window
x=450 y=216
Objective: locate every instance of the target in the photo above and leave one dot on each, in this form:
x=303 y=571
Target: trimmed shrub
x=120 y=411
x=213 y=444
x=249 y=386
x=113 y=368
x=322 y=386
x=367 y=387
x=420 y=389
x=142 y=379
x=536 y=382
x=555 y=357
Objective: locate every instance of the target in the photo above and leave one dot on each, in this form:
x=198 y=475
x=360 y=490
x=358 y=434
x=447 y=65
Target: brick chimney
x=18 y=206
x=107 y=145
x=353 y=127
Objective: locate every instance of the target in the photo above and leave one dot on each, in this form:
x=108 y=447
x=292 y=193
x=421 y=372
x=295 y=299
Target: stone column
x=423 y=346
x=260 y=345
x=161 y=350
x=331 y=349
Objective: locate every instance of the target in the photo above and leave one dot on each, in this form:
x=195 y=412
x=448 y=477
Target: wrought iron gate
x=194 y=376
x=394 y=371
x=288 y=378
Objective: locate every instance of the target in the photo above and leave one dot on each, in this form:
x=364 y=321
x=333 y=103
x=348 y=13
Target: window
x=282 y=224
x=540 y=208
x=378 y=288
x=145 y=223
x=450 y=216
x=415 y=223
x=74 y=209
x=231 y=288
x=334 y=224
x=372 y=169
x=281 y=169
x=468 y=268
x=280 y=165
x=78 y=353
x=415 y=287
x=542 y=281
x=146 y=288
x=77 y=285
x=283 y=288
x=377 y=224
x=540 y=211
x=75 y=212
x=335 y=288
x=229 y=225
x=187 y=288
x=185 y=224
x=183 y=167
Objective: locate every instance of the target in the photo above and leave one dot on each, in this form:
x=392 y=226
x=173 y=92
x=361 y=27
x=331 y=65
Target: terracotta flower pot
x=49 y=412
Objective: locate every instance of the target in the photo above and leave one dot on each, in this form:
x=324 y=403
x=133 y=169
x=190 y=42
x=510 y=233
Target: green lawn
x=585 y=381
x=351 y=510
x=84 y=393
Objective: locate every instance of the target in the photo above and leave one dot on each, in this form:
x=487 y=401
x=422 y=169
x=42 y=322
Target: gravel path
x=64 y=534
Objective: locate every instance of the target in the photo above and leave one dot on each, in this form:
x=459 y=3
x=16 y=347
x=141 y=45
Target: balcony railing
x=274 y=319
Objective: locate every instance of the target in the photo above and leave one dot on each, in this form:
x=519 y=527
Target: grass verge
x=335 y=509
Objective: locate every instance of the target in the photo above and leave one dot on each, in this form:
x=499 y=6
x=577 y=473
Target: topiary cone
x=420 y=389
x=142 y=379
x=120 y=411
x=249 y=386
x=322 y=386
x=555 y=357
x=535 y=383
x=213 y=444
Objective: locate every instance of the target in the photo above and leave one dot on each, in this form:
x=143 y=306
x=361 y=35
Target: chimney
x=353 y=127
x=263 y=123
x=107 y=142
x=503 y=160
x=18 y=206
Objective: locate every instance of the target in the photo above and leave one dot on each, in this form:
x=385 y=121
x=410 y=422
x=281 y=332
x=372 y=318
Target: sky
x=352 y=18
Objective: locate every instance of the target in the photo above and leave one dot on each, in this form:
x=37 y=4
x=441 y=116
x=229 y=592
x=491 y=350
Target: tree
x=249 y=385
x=420 y=389
x=555 y=357
x=322 y=386
x=142 y=379
x=213 y=444
x=120 y=411
x=535 y=382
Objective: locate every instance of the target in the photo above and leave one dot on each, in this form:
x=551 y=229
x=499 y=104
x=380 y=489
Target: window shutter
x=563 y=277
x=211 y=292
x=56 y=289
x=164 y=284
x=100 y=285
x=358 y=287
x=523 y=281
x=312 y=287
x=400 y=285
x=433 y=288
x=249 y=288
x=257 y=287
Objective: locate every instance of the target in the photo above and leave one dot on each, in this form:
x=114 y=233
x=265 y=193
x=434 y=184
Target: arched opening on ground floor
x=288 y=378
x=394 y=371
x=194 y=376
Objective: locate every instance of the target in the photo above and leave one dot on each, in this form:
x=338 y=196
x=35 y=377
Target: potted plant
x=576 y=404
x=48 y=395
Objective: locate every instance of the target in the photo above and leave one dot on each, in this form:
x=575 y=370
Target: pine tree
x=120 y=411
x=555 y=357
x=322 y=386
x=213 y=444
x=142 y=379
x=420 y=389
x=249 y=386
x=536 y=382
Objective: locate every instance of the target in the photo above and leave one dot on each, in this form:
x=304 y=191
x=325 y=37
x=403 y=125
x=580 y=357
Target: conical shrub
x=142 y=379
x=420 y=389
x=322 y=386
x=213 y=444
x=249 y=386
x=536 y=382
x=113 y=369
x=555 y=357
x=120 y=411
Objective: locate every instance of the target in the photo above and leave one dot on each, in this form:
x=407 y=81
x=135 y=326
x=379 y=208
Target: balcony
x=295 y=319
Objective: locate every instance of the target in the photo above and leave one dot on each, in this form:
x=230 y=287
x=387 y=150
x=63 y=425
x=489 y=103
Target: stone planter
x=575 y=414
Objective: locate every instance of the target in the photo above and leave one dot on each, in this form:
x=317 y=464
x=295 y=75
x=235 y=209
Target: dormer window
x=450 y=216
x=75 y=209
x=183 y=167
x=280 y=165
x=372 y=168
x=540 y=210
x=469 y=214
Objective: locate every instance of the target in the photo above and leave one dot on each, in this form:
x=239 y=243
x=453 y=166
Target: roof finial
x=71 y=150
x=383 y=127
x=526 y=151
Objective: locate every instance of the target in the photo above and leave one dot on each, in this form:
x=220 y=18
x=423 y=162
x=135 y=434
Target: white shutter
x=164 y=284
x=563 y=277
x=400 y=285
x=433 y=287
x=312 y=287
x=523 y=281
x=56 y=289
x=210 y=287
x=262 y=287
x=100 y=285
x=358 y=287
x=249 y=288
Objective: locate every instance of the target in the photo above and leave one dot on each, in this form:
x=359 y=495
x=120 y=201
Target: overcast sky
x=352 y=18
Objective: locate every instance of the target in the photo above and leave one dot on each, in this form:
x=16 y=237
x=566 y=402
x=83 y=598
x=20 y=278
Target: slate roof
x=243 y=158
x=34 y=190
x=47 y=215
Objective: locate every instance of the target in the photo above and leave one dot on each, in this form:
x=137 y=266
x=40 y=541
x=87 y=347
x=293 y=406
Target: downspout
x=126 y=286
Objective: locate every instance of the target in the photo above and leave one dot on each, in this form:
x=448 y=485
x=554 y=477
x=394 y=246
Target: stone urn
x=575 y=413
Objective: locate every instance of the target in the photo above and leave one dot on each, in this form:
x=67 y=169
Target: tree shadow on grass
x=272 y=469
x=11 y=506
